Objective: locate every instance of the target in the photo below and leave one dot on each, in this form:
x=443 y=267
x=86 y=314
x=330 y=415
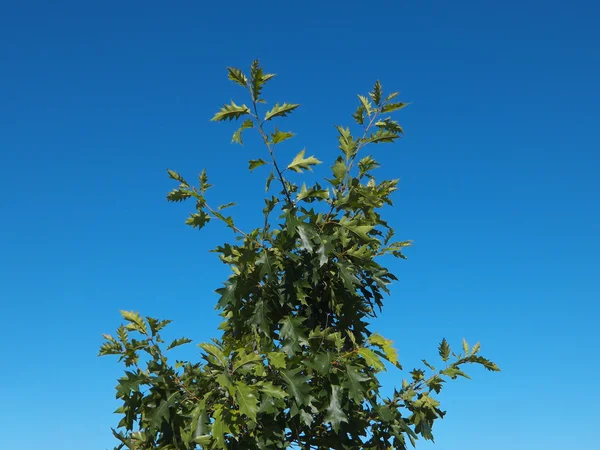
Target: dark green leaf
x=178 y=342
x=444 y=350
x=254 y=163
x=334 y=414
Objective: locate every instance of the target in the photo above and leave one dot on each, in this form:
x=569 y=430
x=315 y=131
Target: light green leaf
x=386 y=345
x=300 y=162
x=366 y=104
x=136 y=322
x=339 y=169
x=237 y=76
x=230 y=112
x=174 y=175
x=280 y=136
x=454 y=372
x=372 y=359
x=347 y=143
x=280 y=110
x=277 y=359
x=237 y=136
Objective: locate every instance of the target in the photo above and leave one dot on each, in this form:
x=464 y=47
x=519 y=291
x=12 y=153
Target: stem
x=351 y=162
x=270 y=148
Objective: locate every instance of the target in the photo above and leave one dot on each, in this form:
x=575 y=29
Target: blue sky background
x=499 y=192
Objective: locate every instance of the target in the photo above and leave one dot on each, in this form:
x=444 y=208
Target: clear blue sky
x=499 y=192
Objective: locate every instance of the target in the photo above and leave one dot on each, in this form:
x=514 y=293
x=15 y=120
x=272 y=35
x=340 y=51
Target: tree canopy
x=297 y=364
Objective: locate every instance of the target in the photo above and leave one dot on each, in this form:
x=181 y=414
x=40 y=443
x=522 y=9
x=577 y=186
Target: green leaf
x=230 y=112
x=203 y=179
x=270 y=178
x=178 y=195
x=198 y=220
x=366 y=105
x=157 y=325
x=280 y=136
x=334 y=414
x=130 y=382
x=163 y=411
x=175 y=176
x=259 y=316
x=272 y=391
x=237 y=76
x=371 y=359
x=376 y=93
x=227 y=295
x=321 y=362
x=382 y=136
x=444 y=350
x=178 y=342
x=359 y=115
x=300 y=162
x=386 y=345
x=237 y=136
x=219 y=427
x=465 y=346
x=254 y=163
x=243 y=360
x=247 y=400
x=353 y=382
x=429 y=366
x=257 y=80
x=219 y=358
x=136 y=322
x=305 y=232
x=292 y=333
x=297 y=385
x=454 y=372
x=390 y=107
x=347 y=143
x=226 y=205
x=353 y=226
x=277 y=359
x=280 y=110
x=339 y=169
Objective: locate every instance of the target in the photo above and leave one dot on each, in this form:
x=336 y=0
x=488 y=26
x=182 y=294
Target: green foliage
x=296 y=365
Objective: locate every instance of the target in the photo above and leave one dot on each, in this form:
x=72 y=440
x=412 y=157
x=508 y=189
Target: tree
x=296 y=365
